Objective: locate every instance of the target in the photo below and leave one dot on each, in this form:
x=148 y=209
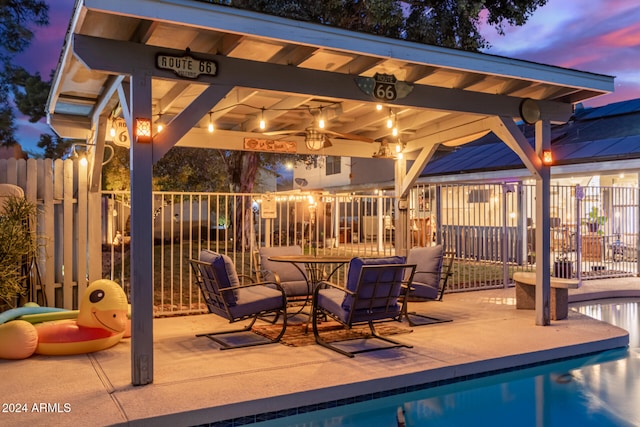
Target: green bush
x=17 y=247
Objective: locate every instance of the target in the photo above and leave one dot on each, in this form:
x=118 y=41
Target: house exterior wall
x=315 y=174
x=367 y=171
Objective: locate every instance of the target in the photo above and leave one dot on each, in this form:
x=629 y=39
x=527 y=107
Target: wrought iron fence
x=489 y=227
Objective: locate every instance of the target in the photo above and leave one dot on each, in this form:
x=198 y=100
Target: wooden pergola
x=186 y=64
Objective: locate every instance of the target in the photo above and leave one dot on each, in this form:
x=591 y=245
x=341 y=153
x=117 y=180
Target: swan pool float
x=101 y=322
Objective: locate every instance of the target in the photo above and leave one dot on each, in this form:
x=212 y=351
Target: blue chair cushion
x=331 y=300
x=355 y=267
x=426 y=280
x=286 y=271
x=255 y=299
x=296 y=288
x=292 y=280
x=353 y=277
x=225 y=272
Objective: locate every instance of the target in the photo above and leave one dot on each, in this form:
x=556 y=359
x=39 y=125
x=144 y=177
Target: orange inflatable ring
x=64 y=337
x=101 y=322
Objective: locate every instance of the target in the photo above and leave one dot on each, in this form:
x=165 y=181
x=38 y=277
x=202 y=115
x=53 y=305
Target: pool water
x=599 y=390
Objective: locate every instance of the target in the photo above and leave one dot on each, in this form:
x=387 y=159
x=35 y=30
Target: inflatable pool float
x=101 y=323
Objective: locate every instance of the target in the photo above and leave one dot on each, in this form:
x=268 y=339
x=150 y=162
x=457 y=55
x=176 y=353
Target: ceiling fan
x=316 y=137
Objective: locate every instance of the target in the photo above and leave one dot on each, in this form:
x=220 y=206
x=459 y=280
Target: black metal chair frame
x=214 y=298
x=392 y=311
x=446 y=272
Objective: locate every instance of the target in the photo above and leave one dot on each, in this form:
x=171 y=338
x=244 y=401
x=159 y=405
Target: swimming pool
x=598 y=390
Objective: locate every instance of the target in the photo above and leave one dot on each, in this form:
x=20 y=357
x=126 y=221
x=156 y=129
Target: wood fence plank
x=31 y=184
x=48 y=228
x=68 y=235
x=12 y=172
x=82 y=221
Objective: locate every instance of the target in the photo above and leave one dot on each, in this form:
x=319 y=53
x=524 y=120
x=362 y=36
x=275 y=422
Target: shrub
x=17 y=247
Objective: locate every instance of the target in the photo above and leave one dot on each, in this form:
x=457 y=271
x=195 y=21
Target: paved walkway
x=195 y=383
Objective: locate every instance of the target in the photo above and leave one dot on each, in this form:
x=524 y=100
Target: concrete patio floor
x=195 y=383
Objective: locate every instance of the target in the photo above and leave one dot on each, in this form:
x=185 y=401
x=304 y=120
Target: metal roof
x=451 y=88
x=610 y=132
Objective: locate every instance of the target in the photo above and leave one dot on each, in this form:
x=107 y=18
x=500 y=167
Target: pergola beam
x=118 y=57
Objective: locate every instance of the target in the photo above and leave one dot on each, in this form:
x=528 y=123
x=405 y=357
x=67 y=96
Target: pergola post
x=401 y=209
x=141 y=155
x=543 y=237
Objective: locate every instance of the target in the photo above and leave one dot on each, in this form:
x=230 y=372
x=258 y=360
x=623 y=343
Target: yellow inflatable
x=101 y=323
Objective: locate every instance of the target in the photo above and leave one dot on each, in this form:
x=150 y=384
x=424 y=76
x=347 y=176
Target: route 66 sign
x=384 y=87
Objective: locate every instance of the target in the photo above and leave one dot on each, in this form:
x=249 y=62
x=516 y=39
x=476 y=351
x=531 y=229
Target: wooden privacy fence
x=67 y=240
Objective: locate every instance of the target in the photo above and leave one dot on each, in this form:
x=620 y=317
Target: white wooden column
x=401 y=209
x=543 y=234
x=141 y=160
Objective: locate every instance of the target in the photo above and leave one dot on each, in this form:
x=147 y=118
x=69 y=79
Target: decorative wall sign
x=121 y=137
x=186 y=65
x=277 y=146
x=384 y=87
x=268 y=207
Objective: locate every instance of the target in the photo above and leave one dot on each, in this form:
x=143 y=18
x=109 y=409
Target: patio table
x=315 y=268
x=315 y=265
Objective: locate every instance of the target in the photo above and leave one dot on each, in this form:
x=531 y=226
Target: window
x=333 y=165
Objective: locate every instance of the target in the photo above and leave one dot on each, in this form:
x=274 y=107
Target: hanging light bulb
x=379 y=107
x=394 y=132
x=112 y=131
x=210 y=123
x=159 y=125
x=321 y=120
x=263 y=125
x=398 y=147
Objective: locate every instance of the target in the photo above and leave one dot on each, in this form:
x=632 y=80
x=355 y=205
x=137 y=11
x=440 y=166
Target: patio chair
x=225 y=296
x=429 y=281
x=293 y=278
x=371 y=294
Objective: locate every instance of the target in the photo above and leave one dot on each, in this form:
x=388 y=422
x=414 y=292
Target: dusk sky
x=599 y=36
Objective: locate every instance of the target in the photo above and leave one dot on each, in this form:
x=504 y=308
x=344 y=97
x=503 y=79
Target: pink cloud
x=624 y=37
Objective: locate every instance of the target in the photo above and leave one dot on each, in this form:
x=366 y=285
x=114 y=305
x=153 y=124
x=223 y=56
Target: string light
x=321 y=120
x=112 y=131
x=263 y=125
x=210 y=122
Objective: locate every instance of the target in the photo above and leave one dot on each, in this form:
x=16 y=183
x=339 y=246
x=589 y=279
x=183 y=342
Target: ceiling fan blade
x=327 y=142
x=349 y=136
x=285 y=132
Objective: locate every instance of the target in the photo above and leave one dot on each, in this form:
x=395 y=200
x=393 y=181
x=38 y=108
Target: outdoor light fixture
x=84 y=161
x=262 y=123
x=313 y=139
x=547 y=157
x=210 y=122
x=143 y=130
x=384 y=152
x=112 y=131
x=529 y=111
